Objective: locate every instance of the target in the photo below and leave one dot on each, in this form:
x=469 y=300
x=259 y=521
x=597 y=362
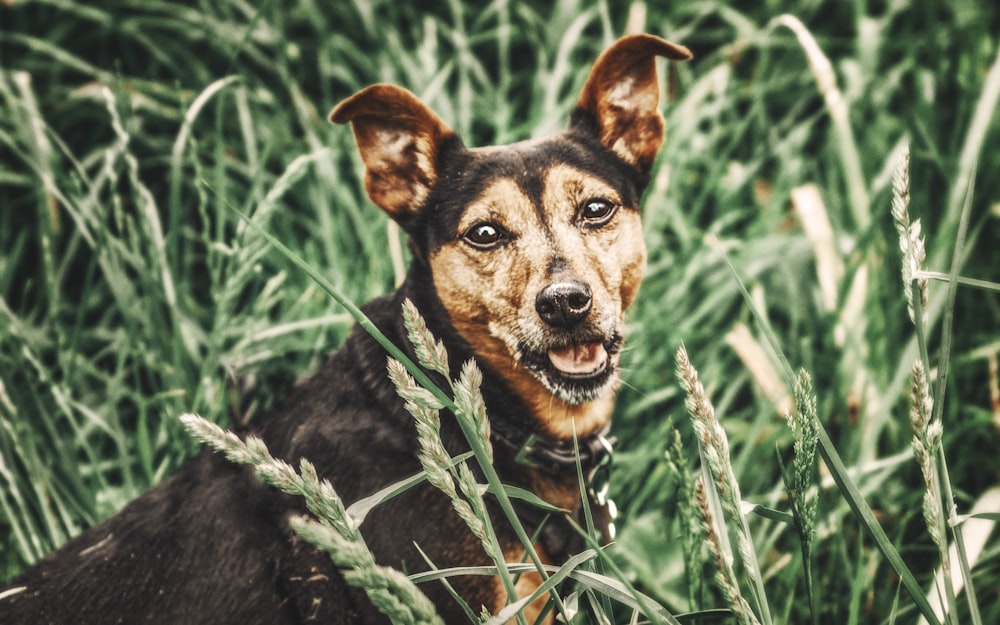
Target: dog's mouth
x=579 y=360
x=576 y=371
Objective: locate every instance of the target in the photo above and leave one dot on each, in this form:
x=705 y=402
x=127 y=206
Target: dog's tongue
x=579 y=359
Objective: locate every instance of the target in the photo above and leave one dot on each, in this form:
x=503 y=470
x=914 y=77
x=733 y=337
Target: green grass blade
x=557 y=577
x=975 y=137
x=769 y=513
x=356 y=313
x=180 y=144
x=864 y=513
x=618 y=587
x=614 y=588
x=838 y=471
x=449 y=588
x=947 y=332
x=837 y=107
x=983 y=285
x=359 y=509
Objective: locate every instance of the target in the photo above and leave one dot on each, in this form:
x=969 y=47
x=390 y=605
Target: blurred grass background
x=130 y=292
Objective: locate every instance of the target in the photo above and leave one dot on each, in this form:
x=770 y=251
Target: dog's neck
x=526 y=454
x=559 y=419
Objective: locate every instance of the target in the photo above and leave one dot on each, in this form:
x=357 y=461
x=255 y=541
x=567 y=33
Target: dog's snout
x=564 y=304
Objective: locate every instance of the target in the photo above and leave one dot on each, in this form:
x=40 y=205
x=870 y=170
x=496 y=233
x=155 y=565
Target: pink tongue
x=579 y=359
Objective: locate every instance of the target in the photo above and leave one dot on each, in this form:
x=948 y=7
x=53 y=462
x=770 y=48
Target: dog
x=524 y=258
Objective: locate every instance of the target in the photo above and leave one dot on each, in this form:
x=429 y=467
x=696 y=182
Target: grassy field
x=132 y=134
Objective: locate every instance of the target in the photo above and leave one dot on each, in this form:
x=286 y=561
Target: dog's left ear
x=621 y=99
x=398 y=138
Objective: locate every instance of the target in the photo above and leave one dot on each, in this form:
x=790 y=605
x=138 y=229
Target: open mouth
x=578 y=371
x=579 y=360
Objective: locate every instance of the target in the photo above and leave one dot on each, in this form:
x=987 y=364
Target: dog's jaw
x=559 y=406
x=562 y=419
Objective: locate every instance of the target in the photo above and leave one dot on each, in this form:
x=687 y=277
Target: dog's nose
x=564 y=304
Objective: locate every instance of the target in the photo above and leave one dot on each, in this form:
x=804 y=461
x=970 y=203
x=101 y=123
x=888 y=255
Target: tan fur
x=525 y=585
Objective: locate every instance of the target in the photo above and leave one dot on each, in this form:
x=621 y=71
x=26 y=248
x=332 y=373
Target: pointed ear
x=621 y=100
x=398 y=138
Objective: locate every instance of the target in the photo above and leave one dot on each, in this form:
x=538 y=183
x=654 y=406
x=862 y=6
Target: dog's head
x=535 y=248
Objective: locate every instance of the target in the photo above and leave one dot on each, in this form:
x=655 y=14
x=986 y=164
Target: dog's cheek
x=632 y=278
x=631 y=255
x=453 y=277
x=477 y=290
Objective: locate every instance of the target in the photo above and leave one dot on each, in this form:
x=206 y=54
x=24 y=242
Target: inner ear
x=621 y=98
x=399 y=139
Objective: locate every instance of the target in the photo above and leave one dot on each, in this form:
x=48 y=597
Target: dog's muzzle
x=577 y=361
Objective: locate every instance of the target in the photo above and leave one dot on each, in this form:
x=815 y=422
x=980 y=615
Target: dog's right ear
x=399 y=138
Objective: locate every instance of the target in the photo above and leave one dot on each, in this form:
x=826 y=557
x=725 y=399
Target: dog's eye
x=484 y=235
x=597 y=211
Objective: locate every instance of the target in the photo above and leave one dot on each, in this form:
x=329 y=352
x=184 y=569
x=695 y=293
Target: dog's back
x=211 y=544
x=198 y=545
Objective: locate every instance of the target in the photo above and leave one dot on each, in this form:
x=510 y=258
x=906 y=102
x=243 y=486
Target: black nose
x=564 y=304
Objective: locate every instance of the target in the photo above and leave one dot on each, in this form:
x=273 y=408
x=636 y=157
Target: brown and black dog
x=524 y=257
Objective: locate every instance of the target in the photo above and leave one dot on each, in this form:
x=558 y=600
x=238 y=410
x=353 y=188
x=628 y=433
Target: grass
x=132 y=292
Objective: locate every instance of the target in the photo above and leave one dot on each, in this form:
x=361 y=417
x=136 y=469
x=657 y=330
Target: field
x=134 y=136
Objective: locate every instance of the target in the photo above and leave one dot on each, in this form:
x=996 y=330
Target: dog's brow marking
x=503 y=201
x=565 y=187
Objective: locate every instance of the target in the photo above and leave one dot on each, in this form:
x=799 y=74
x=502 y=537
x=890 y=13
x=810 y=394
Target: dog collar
x=555 y=456
x=559 y=458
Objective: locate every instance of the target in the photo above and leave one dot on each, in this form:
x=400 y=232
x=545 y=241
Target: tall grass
x=131 y=291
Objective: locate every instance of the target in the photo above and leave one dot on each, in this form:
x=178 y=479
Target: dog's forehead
x=529 y=160
x=466 y=174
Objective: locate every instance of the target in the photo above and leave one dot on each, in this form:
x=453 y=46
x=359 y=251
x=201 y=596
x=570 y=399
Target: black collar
x=558 y=458
x=554 y=456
